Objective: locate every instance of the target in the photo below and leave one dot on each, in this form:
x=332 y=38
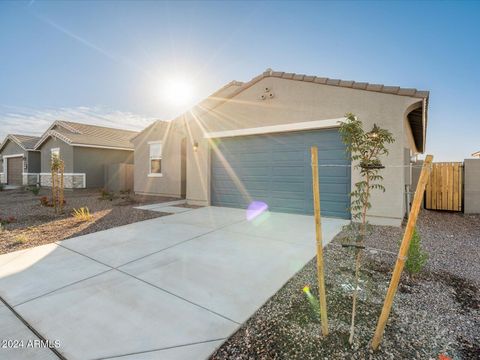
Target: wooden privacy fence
x=444 y=189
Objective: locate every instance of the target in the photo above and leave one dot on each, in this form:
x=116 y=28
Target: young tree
x=365 y=149
x=57 y=169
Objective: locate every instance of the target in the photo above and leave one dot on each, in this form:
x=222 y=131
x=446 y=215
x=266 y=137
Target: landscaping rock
x=435 y=313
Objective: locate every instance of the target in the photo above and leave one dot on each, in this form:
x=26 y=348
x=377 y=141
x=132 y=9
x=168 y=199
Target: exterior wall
x=472 y=186
x=118 y=177
x=296 y=101
x=66 y=154
x=170 y=183
x=31 y=178
x=84 y=167
x=11 y=148
x=92 y=161
x=33 y=162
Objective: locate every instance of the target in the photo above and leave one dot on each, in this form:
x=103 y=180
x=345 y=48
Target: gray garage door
x=276 y=169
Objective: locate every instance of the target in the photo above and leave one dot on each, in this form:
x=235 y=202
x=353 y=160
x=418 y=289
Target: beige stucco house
x=249 y=144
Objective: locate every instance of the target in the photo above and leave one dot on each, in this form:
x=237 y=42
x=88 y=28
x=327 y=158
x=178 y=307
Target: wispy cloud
x=21 y=120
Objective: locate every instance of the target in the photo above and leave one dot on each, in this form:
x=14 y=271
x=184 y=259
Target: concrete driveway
x=171 y=288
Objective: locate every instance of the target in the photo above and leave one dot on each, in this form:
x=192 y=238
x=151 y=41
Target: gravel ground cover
x=37 y=225
x=438 y=312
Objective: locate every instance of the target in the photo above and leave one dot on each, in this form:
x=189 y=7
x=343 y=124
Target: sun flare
x=177 y=91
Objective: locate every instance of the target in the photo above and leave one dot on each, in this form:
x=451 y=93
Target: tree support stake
x=403 y=252
x=319 y=242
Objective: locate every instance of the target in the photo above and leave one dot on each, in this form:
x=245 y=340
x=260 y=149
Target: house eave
x=102 y=147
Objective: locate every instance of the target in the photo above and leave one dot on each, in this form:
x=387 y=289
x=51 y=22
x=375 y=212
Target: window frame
x=157 y=157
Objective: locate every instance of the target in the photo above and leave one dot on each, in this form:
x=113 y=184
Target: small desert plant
x=106 y=195
x=417 y=257
x=35 y=190
x=20 y=239
x=45 y=201
x=4 y=221
x=82 y=214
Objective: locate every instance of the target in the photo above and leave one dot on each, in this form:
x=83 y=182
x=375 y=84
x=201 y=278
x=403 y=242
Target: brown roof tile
x=346 y=83
x=394 y=90
x=90 y=135
x=321 y=80
x=27 y=141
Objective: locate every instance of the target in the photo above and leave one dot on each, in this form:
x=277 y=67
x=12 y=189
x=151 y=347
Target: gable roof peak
x=26 y=142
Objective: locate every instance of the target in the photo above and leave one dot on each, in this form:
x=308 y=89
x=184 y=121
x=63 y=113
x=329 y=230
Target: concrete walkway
x=171 y=288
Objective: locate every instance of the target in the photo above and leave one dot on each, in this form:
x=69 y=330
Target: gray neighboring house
x=250 y=142
x=85 y=150
x=19 y=161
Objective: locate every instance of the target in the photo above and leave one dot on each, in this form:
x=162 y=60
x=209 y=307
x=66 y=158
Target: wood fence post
x=319 y=242
x=403 y=252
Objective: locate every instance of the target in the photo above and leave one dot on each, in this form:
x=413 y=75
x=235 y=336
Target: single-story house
x=85 y=150
x=19 y=161
x=249 y=143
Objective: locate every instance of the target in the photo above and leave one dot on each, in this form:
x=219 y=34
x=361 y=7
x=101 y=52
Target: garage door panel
x=331 y=155
x=14 y=170
x=291 y=204
x=332 y=189
x=299 y=195
x=276 y=169
x=292 y=186
x=295 y=155
x=287 y=171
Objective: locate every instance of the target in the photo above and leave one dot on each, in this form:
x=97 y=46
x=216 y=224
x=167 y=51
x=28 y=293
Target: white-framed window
x=54 y=153
x=155 y=158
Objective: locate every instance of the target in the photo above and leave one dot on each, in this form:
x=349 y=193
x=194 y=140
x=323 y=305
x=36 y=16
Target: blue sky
x=105 y=62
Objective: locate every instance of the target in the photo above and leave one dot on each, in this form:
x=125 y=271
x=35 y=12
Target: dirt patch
x=466 y=293
x=37 y=225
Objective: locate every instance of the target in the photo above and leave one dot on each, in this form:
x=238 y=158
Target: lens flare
x=255 y=209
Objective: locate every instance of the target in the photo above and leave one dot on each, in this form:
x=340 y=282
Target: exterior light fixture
x=374 y=132
x=195 y=146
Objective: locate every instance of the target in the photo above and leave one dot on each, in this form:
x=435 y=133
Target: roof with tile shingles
x=26 y=142
x=78 y=134
x=394 y=90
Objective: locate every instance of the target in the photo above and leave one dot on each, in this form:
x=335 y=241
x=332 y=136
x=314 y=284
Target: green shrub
x=105 y=195
x=1 y=186
x=35 y=190
x=417 y=257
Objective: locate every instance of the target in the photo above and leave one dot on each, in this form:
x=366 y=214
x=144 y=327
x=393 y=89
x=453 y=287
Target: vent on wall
x=267 y=94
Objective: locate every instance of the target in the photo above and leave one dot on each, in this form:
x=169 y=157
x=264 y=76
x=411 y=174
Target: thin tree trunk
x=358 y=257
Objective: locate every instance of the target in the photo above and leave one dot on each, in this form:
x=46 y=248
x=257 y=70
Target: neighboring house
x=476 y=154
x=251 y=142
x=19 y=162
x=85 y=150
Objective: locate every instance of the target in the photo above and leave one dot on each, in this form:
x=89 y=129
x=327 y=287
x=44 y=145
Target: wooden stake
x=403 y=252
x=319 y=242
